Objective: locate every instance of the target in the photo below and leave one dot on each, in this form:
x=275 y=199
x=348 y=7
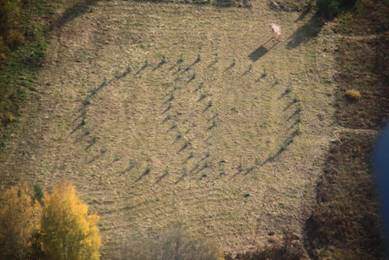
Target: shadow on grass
x=306 y=32
x=262 y=50
x=71 y=13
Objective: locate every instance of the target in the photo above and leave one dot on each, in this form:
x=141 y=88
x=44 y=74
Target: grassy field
x=166 y=113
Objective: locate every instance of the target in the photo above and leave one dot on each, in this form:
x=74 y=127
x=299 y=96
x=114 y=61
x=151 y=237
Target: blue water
x=381 y=172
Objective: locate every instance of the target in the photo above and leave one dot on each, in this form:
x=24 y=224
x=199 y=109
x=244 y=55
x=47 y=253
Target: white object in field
x=276 y=30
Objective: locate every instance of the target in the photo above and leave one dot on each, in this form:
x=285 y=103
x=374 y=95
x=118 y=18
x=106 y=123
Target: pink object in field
x=276 y=30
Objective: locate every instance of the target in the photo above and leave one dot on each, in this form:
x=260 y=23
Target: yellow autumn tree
x=20 y=216
x=69 y=231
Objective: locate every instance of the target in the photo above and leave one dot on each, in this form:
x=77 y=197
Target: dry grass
x=288 y=247
x=172 y=243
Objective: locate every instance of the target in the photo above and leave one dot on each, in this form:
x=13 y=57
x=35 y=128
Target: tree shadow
x=262 y=50
x=306 y=32
x=72 y=13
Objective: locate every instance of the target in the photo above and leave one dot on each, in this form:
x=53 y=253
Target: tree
x=20 y=217
x=330 y=8
x=68 y=230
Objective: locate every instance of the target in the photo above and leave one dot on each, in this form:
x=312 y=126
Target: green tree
x=330 y=8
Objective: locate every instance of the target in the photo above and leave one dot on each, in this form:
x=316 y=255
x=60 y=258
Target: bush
x=174 y=243
x=330 y=8
x=7 y=118
x=68 y=230
x=19 y=222
x=353 y=94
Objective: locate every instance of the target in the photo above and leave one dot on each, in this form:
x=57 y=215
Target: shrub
x=7 y=118
x=68 y=230
x=19 y=222
x=353 y=94
x=174 y=243
x=38 y=193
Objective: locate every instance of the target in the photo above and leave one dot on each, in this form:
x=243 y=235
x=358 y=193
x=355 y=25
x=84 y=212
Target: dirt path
x=176 y=113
